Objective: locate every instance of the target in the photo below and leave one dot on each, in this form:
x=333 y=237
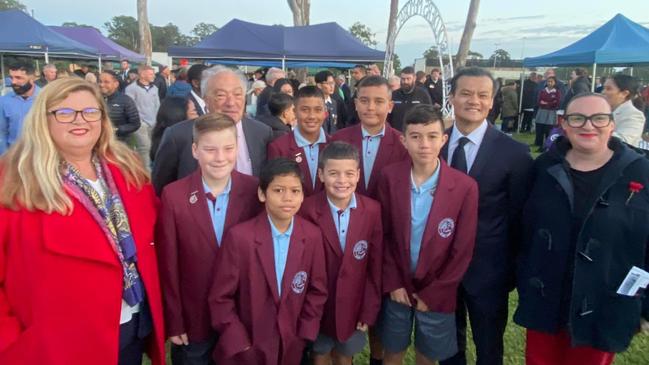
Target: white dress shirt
x=244 y=164
x=470 y=148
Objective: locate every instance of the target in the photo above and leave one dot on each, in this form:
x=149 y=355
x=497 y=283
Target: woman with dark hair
x=621 y=91
x=172 y=110
x=548 y=101
x=585 y=233
x=284 y=86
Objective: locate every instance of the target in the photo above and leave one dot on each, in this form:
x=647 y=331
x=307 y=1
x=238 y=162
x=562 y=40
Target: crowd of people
x=544 y=99
x=253 y=219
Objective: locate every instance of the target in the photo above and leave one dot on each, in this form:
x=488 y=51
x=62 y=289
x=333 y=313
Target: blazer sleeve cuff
x=308 y=330
x=234 y=340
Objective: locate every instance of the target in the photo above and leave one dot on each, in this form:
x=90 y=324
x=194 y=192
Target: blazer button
x=152 y=243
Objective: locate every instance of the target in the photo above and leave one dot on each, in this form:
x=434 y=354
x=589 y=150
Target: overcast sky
x=522 y=27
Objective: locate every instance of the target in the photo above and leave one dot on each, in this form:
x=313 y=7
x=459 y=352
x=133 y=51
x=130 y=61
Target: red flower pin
x=634 y=187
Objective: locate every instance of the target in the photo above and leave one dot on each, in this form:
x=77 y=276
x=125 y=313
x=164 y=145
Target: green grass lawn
x=637 y=354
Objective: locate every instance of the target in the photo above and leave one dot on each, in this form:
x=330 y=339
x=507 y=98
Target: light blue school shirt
x=341 y=219
x=281 y=242
x=421 y=200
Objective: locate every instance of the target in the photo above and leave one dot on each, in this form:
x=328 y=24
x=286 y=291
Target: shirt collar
x=30 y=97
x=200 y=100
x=335 y=209
x=276 y=233
x=367 y=134
x=475 y=137
x=225 y=191
x=303 y=142
x=429 y=184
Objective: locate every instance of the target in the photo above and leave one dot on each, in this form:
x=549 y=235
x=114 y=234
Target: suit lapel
x=356 y=225
x=382 y=155
x=265 y=254
x=297 y=153
x=357 y=140
x=327 y=225
x=402 y=187
x=484 y=152
x=197 y=204
x=294 y=258
x=438 y=212
x=234 y=209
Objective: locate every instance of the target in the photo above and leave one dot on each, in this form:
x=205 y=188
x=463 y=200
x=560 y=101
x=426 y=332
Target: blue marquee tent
x=243 y=41
x=22 y=34
x=92 y=37
x=619 y=42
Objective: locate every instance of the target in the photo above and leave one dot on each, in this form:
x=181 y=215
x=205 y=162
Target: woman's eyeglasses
x=599 y=120
x=67 y=115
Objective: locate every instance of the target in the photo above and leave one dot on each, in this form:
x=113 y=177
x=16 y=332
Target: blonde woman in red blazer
x=78 y=273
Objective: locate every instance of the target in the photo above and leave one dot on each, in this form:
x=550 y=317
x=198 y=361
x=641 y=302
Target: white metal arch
x=429 y=11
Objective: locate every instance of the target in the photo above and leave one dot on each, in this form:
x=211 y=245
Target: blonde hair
x=30 y=175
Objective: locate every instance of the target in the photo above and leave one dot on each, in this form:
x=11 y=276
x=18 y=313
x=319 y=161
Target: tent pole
x=47 y=56
x=592 y=84
x=284 y=63
x=631 y=70
x=2 y=69
x=99 y=63
x=520 y=105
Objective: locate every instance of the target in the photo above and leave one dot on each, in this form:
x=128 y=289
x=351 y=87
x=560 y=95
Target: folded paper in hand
x=634 y=280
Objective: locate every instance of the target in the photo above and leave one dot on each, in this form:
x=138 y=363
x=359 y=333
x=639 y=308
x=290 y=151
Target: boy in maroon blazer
x=377 y=141
x=307 y=140
x=270 y=284
x=430 y=214
x=352 y=235
x=195 y=213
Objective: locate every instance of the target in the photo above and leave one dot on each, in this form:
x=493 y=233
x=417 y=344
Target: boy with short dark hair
x=430 y=214
x=195 y=213
x=352 y=235
x=270 y=284
x=307 y=139
x=377 y=141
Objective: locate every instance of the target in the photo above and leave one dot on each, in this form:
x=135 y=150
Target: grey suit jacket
x=174 y=158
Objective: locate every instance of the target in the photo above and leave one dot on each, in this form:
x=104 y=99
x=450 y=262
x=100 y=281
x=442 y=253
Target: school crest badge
x=446 y=227
x=360 y=250
x=299 y=282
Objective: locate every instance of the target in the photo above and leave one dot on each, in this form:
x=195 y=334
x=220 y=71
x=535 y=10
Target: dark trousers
x=132 y=337
x=526 y=124
x=509 y=124
x=488 y=316
x=542 y=133
x=195 y=353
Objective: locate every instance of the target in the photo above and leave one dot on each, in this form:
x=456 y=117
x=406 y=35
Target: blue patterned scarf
x=107 y=209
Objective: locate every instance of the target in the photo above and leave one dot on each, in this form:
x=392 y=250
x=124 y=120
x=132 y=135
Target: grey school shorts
x=355 y=344
x=435 y=335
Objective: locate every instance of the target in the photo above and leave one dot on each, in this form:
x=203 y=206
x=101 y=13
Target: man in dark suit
x=344 y=90
x=325 y=82
x=224 y=91
x=502 y=184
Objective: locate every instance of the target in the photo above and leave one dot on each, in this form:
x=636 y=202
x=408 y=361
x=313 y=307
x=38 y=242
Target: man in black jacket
x=434 y=85
x=121 y=108
x=160 y=81
x=406 y=98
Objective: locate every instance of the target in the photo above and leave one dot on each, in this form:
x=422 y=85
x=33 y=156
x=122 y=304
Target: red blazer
x=448 y=241
x=353 y=276
x=286 y=146
x=187 y=249
x=391 y=150
x=244 y=302
x=61 y=283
